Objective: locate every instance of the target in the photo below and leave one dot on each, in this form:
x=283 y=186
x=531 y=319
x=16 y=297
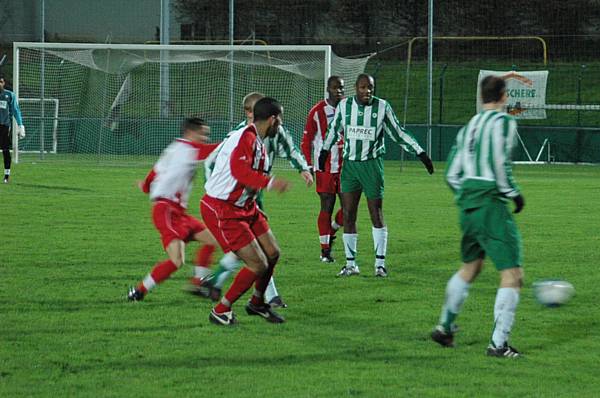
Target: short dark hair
x=266 y=107
x=332 y=79
x=492 y=89
x=192 y=123
x=364 y=76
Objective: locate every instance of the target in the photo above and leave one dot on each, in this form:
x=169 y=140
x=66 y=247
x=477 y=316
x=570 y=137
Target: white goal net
x=125 y=102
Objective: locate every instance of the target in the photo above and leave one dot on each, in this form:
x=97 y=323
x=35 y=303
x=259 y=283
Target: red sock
x=339 y=218
x=162 y=271
x=159 y=273
x=242 y=282
x=261 y=285
x=142 y=288
x=324 y=224
x=204 y=256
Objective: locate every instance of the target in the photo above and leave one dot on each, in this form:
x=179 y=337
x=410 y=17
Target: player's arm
x=310 y=130
x=454 y=170
x=287 y=148
x=333 y=135
x=398 y=134
x=241 y=164
x=403 y=138
x=334 y=129
x=145 y=185
x=15 y=110
x=504 y=138
x=204 y=150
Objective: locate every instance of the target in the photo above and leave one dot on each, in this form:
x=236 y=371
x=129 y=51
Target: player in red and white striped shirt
x=328 y=180
x=169 y=184
x=229 y=209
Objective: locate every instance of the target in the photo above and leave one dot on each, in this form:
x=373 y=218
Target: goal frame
x=55 y=105
x=17 y=46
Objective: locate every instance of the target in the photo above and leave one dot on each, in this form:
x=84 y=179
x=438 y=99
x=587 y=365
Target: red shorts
x=174 y=223
x=232 y=230
x=328 y=182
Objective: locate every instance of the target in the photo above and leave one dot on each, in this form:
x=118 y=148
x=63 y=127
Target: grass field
x=75 y=236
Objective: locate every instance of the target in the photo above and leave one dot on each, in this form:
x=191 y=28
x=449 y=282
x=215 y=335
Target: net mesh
x=113 y=107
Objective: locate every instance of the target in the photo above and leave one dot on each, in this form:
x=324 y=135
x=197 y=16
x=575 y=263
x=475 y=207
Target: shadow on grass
x=54 y=187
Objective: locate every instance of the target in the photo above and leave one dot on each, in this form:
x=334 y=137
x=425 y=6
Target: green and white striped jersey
x=283 y=146
x=363 y=128
x=479 y=165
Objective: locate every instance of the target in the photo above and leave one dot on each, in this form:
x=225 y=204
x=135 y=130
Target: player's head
x=335 y=89
x=248 y=102
x=267 y=116
x=493 y=90
x=2 y=82
x=195 y=129
x=365 y=87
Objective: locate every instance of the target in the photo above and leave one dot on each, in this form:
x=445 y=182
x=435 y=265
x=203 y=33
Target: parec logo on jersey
x=360 y=133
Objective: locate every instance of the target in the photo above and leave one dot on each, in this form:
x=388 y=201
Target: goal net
x=124 y=103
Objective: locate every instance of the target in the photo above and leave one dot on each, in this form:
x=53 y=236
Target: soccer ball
x=553 y=293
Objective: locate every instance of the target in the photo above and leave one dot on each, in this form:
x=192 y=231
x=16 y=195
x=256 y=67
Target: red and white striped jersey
x=315 y=130
x=241 y=168
x=172 y=176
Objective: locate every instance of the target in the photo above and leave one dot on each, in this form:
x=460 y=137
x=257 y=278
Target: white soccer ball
x=553 y=293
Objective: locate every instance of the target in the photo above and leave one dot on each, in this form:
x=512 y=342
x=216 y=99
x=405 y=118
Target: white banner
x=526 y=92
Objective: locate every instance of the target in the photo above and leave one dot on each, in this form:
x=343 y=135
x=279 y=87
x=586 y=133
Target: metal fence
x=557 y=36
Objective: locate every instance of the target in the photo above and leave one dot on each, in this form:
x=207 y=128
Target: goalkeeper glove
x=519 y=203
x=323 y=159
x=21 y=131
x=426 y=161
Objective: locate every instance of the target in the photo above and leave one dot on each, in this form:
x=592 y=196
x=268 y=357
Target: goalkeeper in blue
x=364 y=120
x=479 y=173
x=9 y=109
x=280 y=145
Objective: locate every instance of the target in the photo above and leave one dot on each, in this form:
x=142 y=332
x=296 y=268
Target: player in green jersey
x=364 y=120
x=480 y=174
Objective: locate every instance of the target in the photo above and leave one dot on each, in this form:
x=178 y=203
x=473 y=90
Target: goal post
x=111 y=107
x=36 y=138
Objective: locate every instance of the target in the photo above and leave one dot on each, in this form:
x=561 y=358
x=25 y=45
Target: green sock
x=219 y=277
x=448 y=320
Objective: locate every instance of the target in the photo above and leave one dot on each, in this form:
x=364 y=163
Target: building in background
x=107 y=21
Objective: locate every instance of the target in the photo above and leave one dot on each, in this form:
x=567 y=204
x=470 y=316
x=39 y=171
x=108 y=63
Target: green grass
x=75 y=236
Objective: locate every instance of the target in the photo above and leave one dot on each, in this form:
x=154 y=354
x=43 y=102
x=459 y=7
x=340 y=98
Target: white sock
x=335 y=226
x=507 y=300
x=350 y=249
x=380 y=236
x=271 y=291
x=457 y=290
x=7 y=172
x=148 y=282
x=201 y=272
x=230 y=263
x=324 y=239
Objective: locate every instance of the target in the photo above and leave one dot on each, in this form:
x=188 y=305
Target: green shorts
x=491 y=230
x=365 y=176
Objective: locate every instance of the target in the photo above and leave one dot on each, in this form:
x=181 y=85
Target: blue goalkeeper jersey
x=9 y=108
